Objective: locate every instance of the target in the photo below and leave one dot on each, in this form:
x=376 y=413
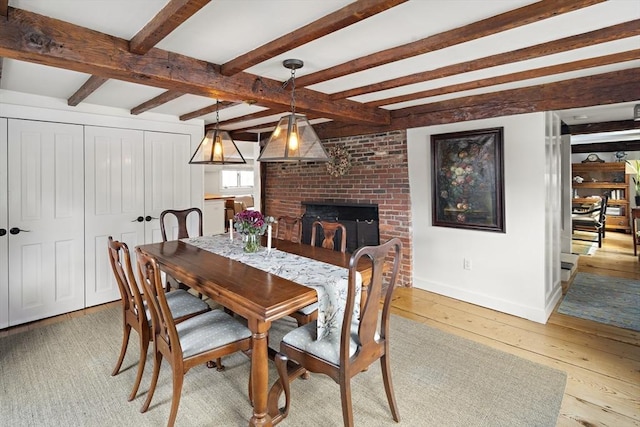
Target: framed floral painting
x=467 y=180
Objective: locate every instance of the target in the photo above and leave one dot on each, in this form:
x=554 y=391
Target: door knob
x=139 y=219
x=16 y=230
x=3 y=232
x=149 y=218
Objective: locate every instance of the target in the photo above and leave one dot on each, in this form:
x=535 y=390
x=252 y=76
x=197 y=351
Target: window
x=237 y=178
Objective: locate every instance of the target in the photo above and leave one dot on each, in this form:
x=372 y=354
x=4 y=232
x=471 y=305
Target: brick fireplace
x=378 y=177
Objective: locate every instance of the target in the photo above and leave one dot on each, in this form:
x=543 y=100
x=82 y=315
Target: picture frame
x=467 y=180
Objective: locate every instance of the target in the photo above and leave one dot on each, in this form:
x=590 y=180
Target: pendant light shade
x=217 y=148
x=293 y=139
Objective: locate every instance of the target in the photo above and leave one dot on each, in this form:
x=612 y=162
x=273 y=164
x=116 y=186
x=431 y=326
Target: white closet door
x=46 y=197
x=167 y=178
x=114 y=186
x=4 y=229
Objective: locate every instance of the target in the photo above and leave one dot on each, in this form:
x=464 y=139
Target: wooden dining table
x=258 y=296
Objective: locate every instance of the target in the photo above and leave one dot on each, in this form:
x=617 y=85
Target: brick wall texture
x=378 y=175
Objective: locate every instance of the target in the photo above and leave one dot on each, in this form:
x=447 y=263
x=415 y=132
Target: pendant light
x=293 y=139
x=217 y=148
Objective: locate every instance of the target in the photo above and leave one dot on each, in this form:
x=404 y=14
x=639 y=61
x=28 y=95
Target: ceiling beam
x=30 y=37
x=495 y=24
x=163 y=23
x=348 y=15
x=168 y=19
x=252 y=116
x=90 y=86
x=606 y=147
x=615 y=32
x=602 y=127
x=221 y=105
x=601 y=89
x=514 y=77
x=163 y=98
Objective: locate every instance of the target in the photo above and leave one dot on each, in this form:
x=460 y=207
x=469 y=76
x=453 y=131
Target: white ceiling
x=224 y=29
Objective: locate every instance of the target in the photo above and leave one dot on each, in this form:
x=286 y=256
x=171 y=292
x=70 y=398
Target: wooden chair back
x=181 y=218
x=133 y=309
x=372 y=342
x=289 y=228
x=329 y=230
x=162 y=322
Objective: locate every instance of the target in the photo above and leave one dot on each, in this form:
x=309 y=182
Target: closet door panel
x=114 y=192
x=167 y=177
x=46 y=219
x=4 y=229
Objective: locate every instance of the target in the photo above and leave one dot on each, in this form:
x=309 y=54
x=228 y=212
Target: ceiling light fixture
x=636 y=112
x=293 y=139
x=217 y=147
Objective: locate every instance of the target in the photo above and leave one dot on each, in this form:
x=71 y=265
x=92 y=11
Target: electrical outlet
x=467 y=264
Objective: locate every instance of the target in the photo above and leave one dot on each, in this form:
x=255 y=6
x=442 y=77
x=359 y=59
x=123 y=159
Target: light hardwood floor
x=602 y=362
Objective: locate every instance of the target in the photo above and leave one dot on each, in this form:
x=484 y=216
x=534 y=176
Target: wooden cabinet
x=601 y=178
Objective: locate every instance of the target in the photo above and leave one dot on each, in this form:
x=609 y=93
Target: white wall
x=508 y=269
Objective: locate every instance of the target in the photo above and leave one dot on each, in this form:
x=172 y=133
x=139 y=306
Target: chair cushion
x=328 y=348
x=181 y=303
x=209 y=330
x=309 y=309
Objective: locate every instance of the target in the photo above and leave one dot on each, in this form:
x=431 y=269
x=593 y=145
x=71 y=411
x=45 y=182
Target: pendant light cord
x=293 y=90
x=217 y=115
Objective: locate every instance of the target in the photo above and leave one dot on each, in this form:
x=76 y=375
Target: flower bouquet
x=251 y=224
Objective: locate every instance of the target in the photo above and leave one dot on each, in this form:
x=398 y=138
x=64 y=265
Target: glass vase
x=252 y=244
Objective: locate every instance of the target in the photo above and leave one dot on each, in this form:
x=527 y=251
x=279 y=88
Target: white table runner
x=329 y=281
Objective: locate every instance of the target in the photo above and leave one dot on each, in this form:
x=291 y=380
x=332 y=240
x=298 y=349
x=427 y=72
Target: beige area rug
x=59 y=375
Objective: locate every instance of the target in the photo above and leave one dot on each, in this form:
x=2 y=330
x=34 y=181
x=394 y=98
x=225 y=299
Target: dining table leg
x=259 y=372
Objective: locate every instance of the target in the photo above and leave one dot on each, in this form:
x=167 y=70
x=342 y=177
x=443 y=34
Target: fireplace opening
x=360 y=220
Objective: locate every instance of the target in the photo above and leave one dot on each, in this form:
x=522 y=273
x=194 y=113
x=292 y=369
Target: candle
x=269 y=237
x=230 y=229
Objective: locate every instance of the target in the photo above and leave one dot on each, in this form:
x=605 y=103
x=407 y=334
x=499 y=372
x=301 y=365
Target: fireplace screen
x=360 y=221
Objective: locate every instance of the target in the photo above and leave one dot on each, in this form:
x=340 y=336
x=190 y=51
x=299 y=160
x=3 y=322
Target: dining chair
x=592 y=220
x=289 y=227
x=239 y=207
x=192 y=342
x=180 y=217
x=329 y=230
x=135 y=313
x=351 y=349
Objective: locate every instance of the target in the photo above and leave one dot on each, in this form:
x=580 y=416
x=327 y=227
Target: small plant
x=634 y=167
